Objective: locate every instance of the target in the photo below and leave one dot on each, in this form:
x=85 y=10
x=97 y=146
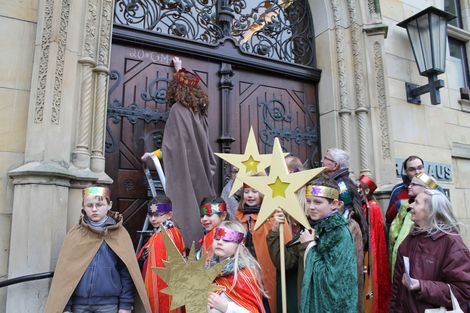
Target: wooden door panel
x=137 y=112
x=276 y=107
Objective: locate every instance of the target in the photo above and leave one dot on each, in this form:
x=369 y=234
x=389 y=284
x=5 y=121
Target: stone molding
x=50 y=40
x=345 y=111
x=464 y=105
x=44 y=61
x=382 y=101
x=59 y=70
x=460 y=150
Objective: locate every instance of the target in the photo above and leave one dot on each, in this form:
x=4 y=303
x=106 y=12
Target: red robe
x=206 y=243
x=245 y=293
x=159 y=302
x=380 y=267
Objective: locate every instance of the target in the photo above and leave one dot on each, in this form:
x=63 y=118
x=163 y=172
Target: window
x=453 y=7
x=458 y=67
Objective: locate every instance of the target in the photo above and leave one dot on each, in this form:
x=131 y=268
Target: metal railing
x=21 y=279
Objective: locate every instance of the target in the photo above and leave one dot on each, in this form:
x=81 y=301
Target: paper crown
x=322 y=191
x=187 y=78
x=96 y=191
x=229 y=235
x=210 y=208
x=427 y=180
x=367 y=181
x=159 y=208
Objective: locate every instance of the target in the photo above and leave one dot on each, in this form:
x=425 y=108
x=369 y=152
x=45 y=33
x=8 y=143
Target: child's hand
x=215 y=301
x=146 y=156
x=279 y=218
x=177 y=63
x=307 y=235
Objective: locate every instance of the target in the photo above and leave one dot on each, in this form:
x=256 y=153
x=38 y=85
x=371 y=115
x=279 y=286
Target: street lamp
x=427 y=32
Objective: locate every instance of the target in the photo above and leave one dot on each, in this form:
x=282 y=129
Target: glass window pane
x=457 y=72
x=453 y=7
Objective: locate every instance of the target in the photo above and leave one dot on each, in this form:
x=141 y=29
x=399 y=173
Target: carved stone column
x=40 y=194
x=344 y=107
x=101 y=86
x=58 y=144
x=81 y=153
x=361 y=105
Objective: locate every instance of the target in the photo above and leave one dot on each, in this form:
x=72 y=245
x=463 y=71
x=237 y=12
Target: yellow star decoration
x=251 y=165
x=279 y=188
x=248 y=163
x=189 y=281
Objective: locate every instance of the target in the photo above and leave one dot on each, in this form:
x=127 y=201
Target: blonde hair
x=261 y=196
x=243 y=256
x=440 y=215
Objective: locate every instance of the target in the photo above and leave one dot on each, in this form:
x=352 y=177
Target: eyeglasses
x=327 y=158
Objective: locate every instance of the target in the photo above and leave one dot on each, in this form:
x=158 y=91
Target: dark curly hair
x=193 y=98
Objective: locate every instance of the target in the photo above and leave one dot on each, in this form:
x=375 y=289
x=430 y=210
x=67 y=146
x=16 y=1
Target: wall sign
x=440 y=171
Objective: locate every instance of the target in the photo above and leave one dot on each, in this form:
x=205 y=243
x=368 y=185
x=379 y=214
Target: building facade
x=57 y=100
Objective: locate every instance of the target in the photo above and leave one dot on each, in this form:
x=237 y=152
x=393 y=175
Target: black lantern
x=427 y=32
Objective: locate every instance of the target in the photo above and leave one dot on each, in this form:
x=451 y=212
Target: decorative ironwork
x=276 y=29
x=189 y=19
x=156 y=92
x=116 y=111
x=279 y=30
x=275 y=111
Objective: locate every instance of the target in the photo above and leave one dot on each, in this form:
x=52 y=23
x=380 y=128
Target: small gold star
x=251 y=165
x=279 y=188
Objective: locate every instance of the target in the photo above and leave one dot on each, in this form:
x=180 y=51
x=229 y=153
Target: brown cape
x=189 y=167
x=80 y=246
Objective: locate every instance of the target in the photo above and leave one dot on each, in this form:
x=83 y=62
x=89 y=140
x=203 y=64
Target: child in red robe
x=153 y=253
x=240 y=278
x=213 y=212
x=379 y=269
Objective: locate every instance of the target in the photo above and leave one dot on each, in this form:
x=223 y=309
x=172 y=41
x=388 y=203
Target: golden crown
x=322 y=191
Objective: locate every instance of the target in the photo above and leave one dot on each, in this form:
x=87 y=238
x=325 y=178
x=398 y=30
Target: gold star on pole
x=248 y=163
x=279 y=188
x=189 y=281
x=251 y=165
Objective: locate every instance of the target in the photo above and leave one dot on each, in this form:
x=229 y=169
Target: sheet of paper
x=406 y=262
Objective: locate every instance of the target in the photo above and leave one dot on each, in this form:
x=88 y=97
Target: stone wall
x=18 y=21
x=437 y=133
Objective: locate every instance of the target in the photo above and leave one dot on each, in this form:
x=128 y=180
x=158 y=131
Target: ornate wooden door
x=264 y=78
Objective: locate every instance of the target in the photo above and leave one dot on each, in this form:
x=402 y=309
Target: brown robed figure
x=187 y=155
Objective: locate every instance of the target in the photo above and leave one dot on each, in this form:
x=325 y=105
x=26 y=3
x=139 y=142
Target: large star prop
x=189 y=281
x=279 y=188
x=248 y=163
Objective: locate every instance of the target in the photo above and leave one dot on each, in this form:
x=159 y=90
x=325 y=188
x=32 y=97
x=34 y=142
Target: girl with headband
x=240 y=279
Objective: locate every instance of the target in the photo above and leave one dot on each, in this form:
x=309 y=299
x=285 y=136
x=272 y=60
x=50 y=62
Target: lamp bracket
x=413 y=91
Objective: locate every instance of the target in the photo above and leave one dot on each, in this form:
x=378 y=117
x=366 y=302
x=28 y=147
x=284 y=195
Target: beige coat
x=80 y=246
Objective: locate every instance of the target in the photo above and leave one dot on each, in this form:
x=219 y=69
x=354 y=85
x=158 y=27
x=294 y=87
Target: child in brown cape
x=97 y=269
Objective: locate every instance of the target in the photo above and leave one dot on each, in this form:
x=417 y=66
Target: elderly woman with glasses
x=401 y=225
x=437 y=256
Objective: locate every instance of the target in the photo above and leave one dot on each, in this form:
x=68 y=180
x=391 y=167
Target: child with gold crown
x=97 y=269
